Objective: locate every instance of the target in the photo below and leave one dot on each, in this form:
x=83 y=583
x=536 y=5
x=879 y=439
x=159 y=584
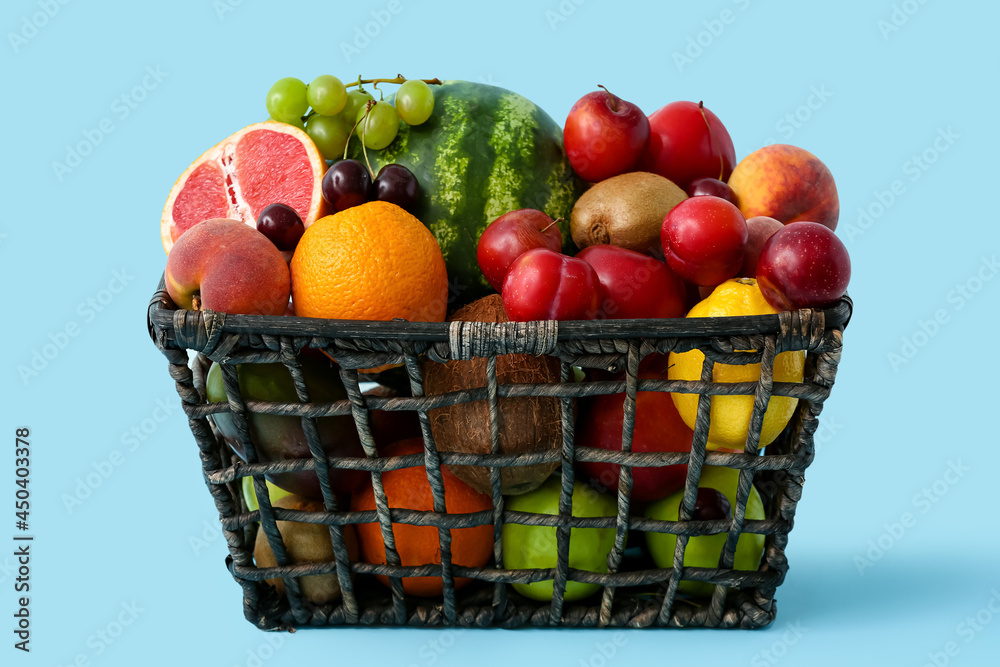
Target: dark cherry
x=281 y=224
x=711 y=186
x=397 y=185
x=710 y=505
x=346 y=183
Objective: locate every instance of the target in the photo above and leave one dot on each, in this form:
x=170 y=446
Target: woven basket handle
x=483 y=339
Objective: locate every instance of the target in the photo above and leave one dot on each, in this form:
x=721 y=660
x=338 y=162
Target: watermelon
x=483 y=152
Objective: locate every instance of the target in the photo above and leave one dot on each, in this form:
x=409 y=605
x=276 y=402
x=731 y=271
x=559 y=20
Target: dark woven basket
x=633 y=595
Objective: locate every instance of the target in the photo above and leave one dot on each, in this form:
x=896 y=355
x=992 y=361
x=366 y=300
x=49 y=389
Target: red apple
x=546 y=285
x=634 y=285
x=759 y=229
x=227 y=266
x=803 y=265
x=658 y=428
x=703 y=240
x=510 y=236
x=687 y=142
x=604 y=136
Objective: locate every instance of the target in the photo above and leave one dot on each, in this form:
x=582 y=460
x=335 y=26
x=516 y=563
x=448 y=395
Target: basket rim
x=159 y=316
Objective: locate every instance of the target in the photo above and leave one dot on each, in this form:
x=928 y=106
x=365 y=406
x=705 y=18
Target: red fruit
x=634 y=285
x=604 y=136
x=546 y=285
x=759 y=229
x=803 y=265
x=658 y=428
x=685 y=144
x=510 y=236
x=711 y=186
x=704 y=239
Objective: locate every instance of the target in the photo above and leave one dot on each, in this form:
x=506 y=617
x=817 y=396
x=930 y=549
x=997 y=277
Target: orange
x=369 y=262
x=730 y=415
x=407 y=488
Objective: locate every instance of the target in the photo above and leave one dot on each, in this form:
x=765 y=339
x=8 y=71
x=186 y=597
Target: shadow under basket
x=634 y=591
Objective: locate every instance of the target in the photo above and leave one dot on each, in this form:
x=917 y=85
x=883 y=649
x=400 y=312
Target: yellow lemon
x=731 y=414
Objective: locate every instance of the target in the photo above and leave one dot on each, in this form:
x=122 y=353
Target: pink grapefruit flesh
x=262 y=164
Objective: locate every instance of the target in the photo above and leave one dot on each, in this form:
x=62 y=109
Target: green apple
x=706 y=550
x=530 y=547
x=273 y=492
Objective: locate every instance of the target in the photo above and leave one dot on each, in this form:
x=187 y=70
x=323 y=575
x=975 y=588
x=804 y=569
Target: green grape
x=297 y=122
x=380 y=128
x=330 y=134
x=356 y=99
x=326 y=95
x=414 y=102
x=286 y=100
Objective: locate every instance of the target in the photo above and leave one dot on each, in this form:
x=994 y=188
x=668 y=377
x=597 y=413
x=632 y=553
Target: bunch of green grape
x=337 y=112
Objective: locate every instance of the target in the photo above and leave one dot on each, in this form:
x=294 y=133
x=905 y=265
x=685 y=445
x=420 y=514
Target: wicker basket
x=633 y=595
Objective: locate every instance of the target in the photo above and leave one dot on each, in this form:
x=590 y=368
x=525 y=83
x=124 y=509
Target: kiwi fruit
x=305 y=543
x=626 y=210
x=527 y=423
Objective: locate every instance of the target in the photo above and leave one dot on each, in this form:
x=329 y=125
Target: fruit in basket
x=535 y=547
x=625 y=211
x=327 y=95
x=803 y=265
x=408 y=488
x=704 y=239
x=226 y=266
x=282 y=225
x=237 y=178
x=712 y=187
x=546 y=285
x=510 y=236
x=346 y=184
x=658 y=428
x=287 y=100
x=280 y=437
x=730 y=415
x=378 y=124
x=397 y=185
x=483 y=152
x=706 y=550
x=687 y=142
x=305 y=543
x=634 y=285
x=370 y=262
x=604 y=135
x=759 y=229
x=330 y=134
x=787 y=183
x=250 y=494
x=526 y=424
x=414 y=102
x=389 y=426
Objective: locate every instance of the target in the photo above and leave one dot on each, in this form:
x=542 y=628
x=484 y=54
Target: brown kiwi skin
x=625 y=210
x=305 y=543
x=526 y=424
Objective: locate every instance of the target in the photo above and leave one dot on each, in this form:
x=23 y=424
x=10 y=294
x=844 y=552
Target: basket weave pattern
x=631 y=596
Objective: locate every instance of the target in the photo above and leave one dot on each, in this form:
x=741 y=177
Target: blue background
x=860 y=590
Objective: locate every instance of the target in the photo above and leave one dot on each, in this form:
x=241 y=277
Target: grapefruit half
x=262 y=164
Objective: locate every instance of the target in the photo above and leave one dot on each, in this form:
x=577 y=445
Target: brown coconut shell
x=526 y=424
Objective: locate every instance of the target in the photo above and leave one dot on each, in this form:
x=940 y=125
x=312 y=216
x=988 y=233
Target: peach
x=228 y=266
x=787 y=183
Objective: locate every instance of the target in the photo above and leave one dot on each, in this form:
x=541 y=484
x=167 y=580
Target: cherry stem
x=549 y=226
x=614 y=100
x=711 y=138
x=399 y=79
x=364 y=132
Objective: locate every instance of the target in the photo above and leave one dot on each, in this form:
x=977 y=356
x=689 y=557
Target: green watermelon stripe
x=484 y=151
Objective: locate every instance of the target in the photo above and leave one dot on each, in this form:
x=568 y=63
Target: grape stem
x=399 y=79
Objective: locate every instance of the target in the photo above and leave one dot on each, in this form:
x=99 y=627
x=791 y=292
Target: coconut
x=526 y=424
